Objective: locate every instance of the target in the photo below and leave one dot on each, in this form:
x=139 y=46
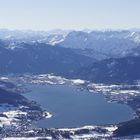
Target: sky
x=69 y=14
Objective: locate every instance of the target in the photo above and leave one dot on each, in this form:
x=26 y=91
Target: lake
x=74 y=108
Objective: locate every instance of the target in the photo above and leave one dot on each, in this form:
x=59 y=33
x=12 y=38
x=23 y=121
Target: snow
x=89 y=136
x=56 y=39
x=3 y=78
x=5 y=121
x=92 y=134
x=14 y=113
x=112 y=128
x=78 y=81
x=54 y=42
x=27 y=138
x=47 y=115
x=113 y=89
x=10 y=113
x=131 y=92
x=48 y=79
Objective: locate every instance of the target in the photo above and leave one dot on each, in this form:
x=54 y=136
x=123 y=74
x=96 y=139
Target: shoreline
x=82 y=85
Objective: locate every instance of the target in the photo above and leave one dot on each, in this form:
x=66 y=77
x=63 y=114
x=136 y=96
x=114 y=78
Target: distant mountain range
x=110 y=43
x=99 y=56
x=96 y=44
x=40 y=58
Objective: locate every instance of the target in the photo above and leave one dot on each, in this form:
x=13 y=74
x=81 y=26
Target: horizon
x=55 y=29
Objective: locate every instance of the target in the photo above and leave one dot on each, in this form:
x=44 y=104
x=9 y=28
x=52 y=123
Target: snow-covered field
x=9 y=115
x=114 y=89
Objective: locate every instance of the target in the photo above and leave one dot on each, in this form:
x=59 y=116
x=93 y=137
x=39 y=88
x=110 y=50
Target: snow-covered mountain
x=29 y=36
x=114 y=52
x=111 y=43
x=96 y=44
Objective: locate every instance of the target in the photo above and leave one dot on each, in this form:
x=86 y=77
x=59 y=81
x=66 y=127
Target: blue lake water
x=74 y=108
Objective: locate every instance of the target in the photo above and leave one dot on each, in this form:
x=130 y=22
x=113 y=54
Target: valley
x=124 y=94
x=69 y=85
x=69 y=70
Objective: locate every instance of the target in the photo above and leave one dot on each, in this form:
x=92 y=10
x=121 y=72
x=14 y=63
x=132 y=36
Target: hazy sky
x=69 y=14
